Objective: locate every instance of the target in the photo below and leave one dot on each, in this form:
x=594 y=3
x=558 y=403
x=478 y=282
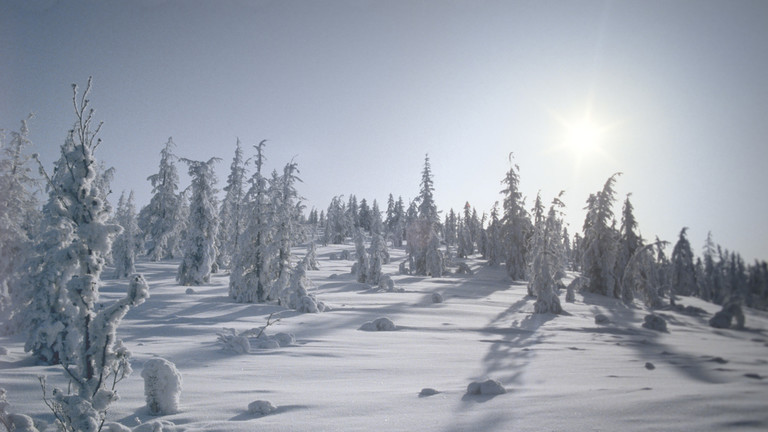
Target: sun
x=583 y=137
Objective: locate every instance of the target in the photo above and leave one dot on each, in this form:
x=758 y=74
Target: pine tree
x=161 y=220
x=19 y=216
x=450 y=229
x=250 y=279
x=337 y=222
x=494 y=246
x=377 y=225
x=200 y=243
x=285 y=201
x=230 y=216
x=63 y=281
x=422 y=227
x=547 y=255
x=683 y=271
x=600 y=248
x=363 y=262
x=515 y=226
x=426 y=201
x=629 y=243
x=364 y=215
x=128 y=243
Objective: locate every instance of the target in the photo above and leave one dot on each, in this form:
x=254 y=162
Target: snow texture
x=162 y=386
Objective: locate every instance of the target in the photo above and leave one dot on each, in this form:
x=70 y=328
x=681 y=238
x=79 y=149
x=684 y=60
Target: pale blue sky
x=359 y=91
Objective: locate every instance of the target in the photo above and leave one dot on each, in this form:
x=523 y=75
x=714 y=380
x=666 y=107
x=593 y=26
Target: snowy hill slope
x=563 y=372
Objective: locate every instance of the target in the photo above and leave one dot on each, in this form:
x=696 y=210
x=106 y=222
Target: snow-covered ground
x=561 y=373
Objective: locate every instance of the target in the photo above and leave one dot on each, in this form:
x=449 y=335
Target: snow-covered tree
x=547 y=256
x=63 y=282
x=128 y=243
x=230 y=215
x=515 y=226
x=337 y=222
x=450 y=228
x=379 y=255
x=250 y=279
x=161 y=220
x=377 y=225
x=296 y=296
x=640 y=277
x=286 y=225
x=363 y=263
x=18 y=219
x=422 y=226
x=629 y=243
x=683 y=271
x=202 y=226
x=426 y=200
x=600 y=246
x=364 y=215
x=311 y=256
x=494 y=247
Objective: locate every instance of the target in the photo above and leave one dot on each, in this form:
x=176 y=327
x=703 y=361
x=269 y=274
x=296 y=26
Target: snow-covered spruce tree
x=19 y=216
x=707 y=283
x=629 y=243
x=435 y=261
x=250 y=278
x=422 y=228
x=450 y=229
x=311 y=256
x=377 y=225
x=337 y=222
x=286 y=226
x=363 y=263
x=465 y=247
x=494 y=247
x=683 y=271
x=161 y=220
x=398 y=223
x=230 y=224
x=547 y=256
x=127 y=244
x=639 y=276
x=600 y=245
x=364 y=215
x=296 y=295
x=515 y=226
x=203 y=225
x=378 y=257
x=63 y=323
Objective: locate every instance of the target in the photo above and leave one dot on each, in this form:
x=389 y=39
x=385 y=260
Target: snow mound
x=724 y=317
x=489 y=387
x=190 y=291
x=261 y=407
x=437 y=297
x=650 y=366
x=3 y=351
x=241 y=343
x=463 y=268
x=601 y=319
x=162 y=386
x=425 y=392
x=386 y=283
x=655 y=322
x=379 y=324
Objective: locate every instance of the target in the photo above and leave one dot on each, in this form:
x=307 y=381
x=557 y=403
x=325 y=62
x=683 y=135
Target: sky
x=358 y=92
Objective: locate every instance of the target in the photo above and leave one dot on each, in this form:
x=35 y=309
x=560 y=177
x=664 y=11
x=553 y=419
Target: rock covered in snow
x=190 y=291
x=650 y=366
x=437 y=297
x=162 y=386
x=379 y=324
x=601 y=319
x=428 y=392
x=488 y=387
x=724 y=317
x=386 y=283
x=261 y=407
x=655 y=322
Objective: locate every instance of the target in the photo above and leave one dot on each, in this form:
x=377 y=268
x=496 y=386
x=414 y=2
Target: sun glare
x=583 y=137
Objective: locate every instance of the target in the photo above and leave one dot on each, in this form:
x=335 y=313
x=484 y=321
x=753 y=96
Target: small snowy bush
x=261 y=407
x=162 y=386
x=488 y=388
x=655 y=322
x=233 y=342
x=14 y=422
x=379 y=324
x=386 y=283
x=724 y=317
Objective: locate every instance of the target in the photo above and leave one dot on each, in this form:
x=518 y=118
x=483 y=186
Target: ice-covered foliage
x=337 y=222
x=494 y=246
x=162 y=220
x=18 y=217
x=600 y=242
x=296 y=295
x=362 y=263
x=639 y=276
x=202 y=226
x=379 y=324
x=127 y=244
x=435 y=262
x=629 y=243
x=311 y=257
x=14 y=422
x=379 y=255
x=230 y=216
x=162 y=386
x=241 y=342
x=548 y=257
x=515 y=226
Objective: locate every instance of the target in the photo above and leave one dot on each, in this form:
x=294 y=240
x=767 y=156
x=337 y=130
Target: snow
x=561 y=372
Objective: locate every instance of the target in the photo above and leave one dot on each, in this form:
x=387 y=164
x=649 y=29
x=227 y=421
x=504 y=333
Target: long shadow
x=625 y=328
